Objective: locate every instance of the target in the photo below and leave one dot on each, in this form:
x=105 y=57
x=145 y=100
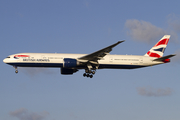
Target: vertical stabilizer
x=158 y=49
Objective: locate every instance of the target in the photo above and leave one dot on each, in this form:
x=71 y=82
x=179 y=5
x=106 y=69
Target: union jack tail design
x=158 y=49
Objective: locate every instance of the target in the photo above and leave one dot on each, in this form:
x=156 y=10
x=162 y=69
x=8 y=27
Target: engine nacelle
x=69 y=63
x=66 y=71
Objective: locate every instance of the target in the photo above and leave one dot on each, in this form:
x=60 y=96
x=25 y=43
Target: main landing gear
x=16 y=70
x=89 y=73
x=91 y=69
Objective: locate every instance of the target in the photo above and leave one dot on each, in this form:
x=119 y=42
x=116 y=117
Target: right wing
x=100 y=53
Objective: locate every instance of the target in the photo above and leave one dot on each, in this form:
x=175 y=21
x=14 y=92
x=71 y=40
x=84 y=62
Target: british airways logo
x=27 y=58
x=18 y=56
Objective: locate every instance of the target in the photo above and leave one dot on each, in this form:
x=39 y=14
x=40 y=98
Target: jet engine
x=69 y=66
x=69 y=63
x=66 y=71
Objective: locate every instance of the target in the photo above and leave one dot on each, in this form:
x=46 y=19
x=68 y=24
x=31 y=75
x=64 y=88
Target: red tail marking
x=153 y=54
x=162 y=42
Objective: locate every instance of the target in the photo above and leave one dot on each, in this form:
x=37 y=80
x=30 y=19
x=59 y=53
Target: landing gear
x=92 y=66
x=89 y=73
x=16 y=71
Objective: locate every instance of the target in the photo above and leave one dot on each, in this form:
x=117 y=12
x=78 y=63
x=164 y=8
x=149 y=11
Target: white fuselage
x=57 y=60
x=101 y=59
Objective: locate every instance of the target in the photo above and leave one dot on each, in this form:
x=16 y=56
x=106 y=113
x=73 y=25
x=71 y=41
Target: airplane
x=101 y=59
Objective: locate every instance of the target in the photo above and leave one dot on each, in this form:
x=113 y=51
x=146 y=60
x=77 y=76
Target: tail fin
x=158 y=49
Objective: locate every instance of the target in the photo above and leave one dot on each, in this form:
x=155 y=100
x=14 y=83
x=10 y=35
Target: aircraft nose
x=5 y=60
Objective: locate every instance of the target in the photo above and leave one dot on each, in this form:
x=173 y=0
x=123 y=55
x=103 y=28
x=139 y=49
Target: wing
x=100 y=53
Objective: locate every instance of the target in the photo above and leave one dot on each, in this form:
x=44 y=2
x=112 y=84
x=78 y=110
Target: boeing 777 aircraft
x=101 y=59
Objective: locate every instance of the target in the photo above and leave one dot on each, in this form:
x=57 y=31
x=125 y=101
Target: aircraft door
x=110 y=59
x=140 y=60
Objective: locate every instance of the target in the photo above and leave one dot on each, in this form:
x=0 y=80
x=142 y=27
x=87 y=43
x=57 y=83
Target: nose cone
x=5 y=60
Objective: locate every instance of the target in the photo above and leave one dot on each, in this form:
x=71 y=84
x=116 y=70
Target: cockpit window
x=8 y=57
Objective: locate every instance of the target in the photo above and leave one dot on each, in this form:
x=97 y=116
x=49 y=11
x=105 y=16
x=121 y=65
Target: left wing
x=100 y=53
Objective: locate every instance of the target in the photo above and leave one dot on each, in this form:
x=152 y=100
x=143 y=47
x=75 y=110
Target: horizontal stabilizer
x=164 y=58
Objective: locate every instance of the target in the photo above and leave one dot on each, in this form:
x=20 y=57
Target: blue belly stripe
x=36 y=64
x=59 y=65
x=110 y=66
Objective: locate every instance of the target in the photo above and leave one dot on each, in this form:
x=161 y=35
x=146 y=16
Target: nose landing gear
x=16 y=70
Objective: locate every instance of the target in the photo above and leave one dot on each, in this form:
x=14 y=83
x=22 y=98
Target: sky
x=85 y=26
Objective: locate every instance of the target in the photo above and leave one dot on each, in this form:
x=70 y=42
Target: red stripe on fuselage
x=21 y=56
x=162 y=42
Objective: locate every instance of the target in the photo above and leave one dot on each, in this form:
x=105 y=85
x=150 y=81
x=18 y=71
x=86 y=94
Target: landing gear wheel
x=16 y=70
x=87 y=71
x=93 y=72
x=88 y=75
x=84 y=75
x=91 y=76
